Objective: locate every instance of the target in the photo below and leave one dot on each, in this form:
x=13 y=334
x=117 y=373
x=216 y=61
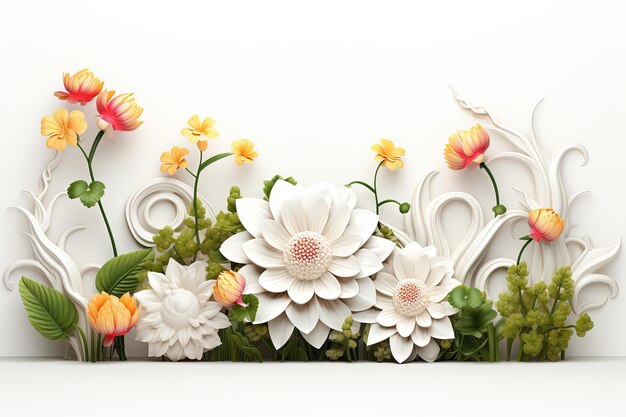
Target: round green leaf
x=49 y=311
x=458 y=297
x=474 y=297
x=121 y=274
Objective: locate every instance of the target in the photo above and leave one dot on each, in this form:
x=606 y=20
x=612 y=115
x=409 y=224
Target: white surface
x=314 y=86
x=581 y=387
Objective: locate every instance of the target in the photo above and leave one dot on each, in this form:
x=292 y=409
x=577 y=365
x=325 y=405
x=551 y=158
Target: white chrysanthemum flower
x=178 y=319
x=410 y=306
x=308 y=255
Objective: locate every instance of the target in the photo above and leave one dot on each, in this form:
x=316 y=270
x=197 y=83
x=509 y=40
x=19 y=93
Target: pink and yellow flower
x=545 y=224
x=121 y=112
x=244 y=152
x=81 y=87
x=388 y=154
x=199 y=131
x=228 y=289
x=174 y=160
x=465 y=148
x=63 y=128
x=112 y=316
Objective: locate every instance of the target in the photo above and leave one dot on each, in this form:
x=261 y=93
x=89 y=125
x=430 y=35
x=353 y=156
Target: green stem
x=519 y=256
x=195 y=205
x=376 y=186
x=498 y=208
x=120 y=347
x=369 y=187
x=99 y=347
x=390 y=200
x=93 y=347
x=82 y=336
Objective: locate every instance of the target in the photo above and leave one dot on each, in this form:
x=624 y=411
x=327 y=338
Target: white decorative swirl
x=162 y=189
x=424 y=224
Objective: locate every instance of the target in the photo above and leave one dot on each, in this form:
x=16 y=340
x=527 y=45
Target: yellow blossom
x=63 y=128
x=388 y=154
x=199 y=131
x=174 y=160
x=243 y=150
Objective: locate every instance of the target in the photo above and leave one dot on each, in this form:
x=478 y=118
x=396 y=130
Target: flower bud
x=404 y=208
x=228 y=289
x=545 y=224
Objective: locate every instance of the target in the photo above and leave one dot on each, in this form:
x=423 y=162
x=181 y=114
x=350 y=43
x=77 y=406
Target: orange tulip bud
x=228 y=289
x=545 y=224
x=113 y=316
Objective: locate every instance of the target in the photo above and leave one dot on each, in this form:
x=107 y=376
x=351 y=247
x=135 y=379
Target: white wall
x=314 y=86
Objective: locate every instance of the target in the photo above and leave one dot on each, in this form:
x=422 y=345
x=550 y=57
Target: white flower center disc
x=178 y=307
x=410 y=297
x=307 y=255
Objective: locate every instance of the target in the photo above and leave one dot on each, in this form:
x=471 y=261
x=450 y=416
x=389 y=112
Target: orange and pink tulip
x=465 y=148
x=228 y=289
x=545 y=224
x=121 y=112
x=81 y=87
x=112 y=316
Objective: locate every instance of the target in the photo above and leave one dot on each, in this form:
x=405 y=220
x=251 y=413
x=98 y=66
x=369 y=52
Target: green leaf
x=49 y=311
x=248 y=351
x=214 y=158
x=458 y=297
x=89 y=195
x=245 y=314
x=122 y=274
x=474 y=297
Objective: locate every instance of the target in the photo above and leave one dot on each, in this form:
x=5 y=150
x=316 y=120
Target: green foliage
x=183 y=246
x=344 y=342
x=89 y=194
x=123 y=273
x=382 y=351
x=255 y=332
x=386 y=233
x=245 y=314
x=49 y=311
x=269 y=184
x=537 y=315
x=476 y=336
x=235 y=347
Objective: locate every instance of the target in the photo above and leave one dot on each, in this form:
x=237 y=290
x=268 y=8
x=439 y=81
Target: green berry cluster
x=383 y=351
x=183 y=247
x=255 y=332
x=343 y=342
x=537 y=315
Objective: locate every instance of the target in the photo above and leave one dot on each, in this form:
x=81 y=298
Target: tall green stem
x=498 y=208
x=195 y=204
x=519 y=256
x=376 y=186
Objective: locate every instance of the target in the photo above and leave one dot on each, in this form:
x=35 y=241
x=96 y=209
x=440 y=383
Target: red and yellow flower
x=81 y=87
x=112 y=316
x=545 y=224
x=228 y=289
x=121 y=112
x=466 y=147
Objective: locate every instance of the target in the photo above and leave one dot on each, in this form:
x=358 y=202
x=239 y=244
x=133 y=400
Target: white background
x=314 y=85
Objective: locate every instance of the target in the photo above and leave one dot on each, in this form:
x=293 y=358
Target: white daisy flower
x=308 y=255
x=410 y=308
x=178 y=319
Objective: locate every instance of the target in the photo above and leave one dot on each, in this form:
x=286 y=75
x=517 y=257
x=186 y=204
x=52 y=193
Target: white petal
x=232 y=248
x=338 y=219
x=442 y=329
x=195 y=274
x=379 y=333
x=333 y=313
x=175 y=352
x=423 y=319
x=449 y=283
x=317 y=216
x=211 y=341
x=193 y=350
x=173 y=270
x=251 y=273
x=282 y=191
x=438 y=293
x=421 y=267
x=327 y=287
x=436 y=310
x=365 y=298
x=270 y=306
x=381 y=247
x=280 y=330
x=349 y=288
x=388 y=317
x=363 y=223
x=318 y=335
x=435 y=275
x=304 y=316
x=157 y=349
x=252 y=212
x=448 y=308
x=344 y=267
x=421 y=336
x=429 y=352
x=369 y=263
x=158 y=282
x=149 y=300
x=346 y=245
x=366 y=316
x=383 y=301
x=401 y=347
x=293 y=217
x=219 y=321
x=301 y=291
x=275 y=234
x=386 y=283
x=275 y=280
x=405 y=326
x=263 y=254
x=402 y=267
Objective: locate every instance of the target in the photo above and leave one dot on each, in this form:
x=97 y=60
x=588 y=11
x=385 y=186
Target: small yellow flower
x=63 y=127
x=174 y=160
x=244 y=151
x=388 y=154
x=197 y=131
